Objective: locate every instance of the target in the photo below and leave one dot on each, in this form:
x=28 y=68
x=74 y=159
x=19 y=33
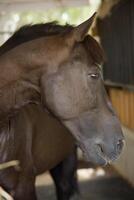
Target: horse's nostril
x=100 y=148
x=120 y=145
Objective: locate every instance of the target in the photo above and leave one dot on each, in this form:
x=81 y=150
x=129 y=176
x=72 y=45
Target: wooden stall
x=115 y=27
x=116 y=31
x=123 y=101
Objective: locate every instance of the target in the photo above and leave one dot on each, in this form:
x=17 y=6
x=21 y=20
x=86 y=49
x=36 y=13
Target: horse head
x=75 y=94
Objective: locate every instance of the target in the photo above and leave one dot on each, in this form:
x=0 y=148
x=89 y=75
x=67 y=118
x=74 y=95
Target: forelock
x=94 y=50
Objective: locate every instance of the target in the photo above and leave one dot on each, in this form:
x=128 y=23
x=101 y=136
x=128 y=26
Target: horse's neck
x=30 y=56
x=17 y=94
x=19 y=80
x=20 y=71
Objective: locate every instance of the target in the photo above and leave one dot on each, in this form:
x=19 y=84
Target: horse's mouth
x=99 y=157
x=104 y=160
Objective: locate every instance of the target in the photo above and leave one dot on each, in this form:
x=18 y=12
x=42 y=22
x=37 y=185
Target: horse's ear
x=79 y=32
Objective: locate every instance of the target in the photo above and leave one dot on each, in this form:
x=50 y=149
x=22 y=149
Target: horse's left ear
x=79 y=32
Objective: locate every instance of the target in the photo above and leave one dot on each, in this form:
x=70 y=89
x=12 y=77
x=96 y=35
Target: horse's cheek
x=62 y=98
x=55 y=95
x=46 y=85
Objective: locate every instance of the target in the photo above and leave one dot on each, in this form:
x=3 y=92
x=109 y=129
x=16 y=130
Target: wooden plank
x=131 y=104
x=123 y=102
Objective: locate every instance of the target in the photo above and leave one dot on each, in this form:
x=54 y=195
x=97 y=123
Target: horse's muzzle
x=100 y=153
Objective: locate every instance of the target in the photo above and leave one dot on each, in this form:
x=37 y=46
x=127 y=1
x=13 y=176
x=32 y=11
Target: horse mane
x=94 y=50
x=34 y=31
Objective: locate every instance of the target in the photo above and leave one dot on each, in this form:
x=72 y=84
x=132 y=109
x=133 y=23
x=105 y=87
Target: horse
x=64 y=173
x=29 y=132
x=62 y=72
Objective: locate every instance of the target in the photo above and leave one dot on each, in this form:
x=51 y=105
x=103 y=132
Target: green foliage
x=11 y=21
x=73 y=15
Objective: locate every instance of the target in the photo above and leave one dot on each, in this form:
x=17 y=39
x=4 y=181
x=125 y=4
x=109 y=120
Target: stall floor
x=95 y=184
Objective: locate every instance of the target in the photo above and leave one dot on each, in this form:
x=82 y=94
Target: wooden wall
x=116 y=32
x=123 y=101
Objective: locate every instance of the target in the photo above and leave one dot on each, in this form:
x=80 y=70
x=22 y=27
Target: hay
x=13 y=163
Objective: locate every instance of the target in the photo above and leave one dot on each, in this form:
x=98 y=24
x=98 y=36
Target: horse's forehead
x=81 y=54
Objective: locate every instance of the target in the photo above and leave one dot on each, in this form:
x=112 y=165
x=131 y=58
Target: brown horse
x=64 y=174
x=31 y=139
x=62 y=72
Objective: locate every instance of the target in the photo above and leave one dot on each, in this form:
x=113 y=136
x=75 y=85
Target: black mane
x=31 y=32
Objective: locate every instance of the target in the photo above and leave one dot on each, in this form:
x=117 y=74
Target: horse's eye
x=94 y=75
